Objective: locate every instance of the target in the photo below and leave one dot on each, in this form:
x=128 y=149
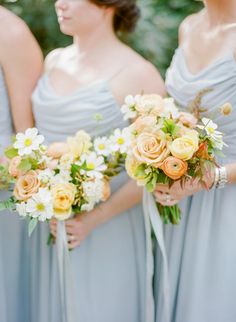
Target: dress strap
x=116 y=73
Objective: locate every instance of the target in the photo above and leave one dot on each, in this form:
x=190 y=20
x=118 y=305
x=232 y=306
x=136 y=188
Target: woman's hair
x=126 y=14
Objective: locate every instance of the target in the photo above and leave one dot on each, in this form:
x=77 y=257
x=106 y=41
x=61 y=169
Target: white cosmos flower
x=120 y=140
x=21 y=209
x=28 y=142
x=170 y=109
x=94 y=163
x=102 y=146
x=210 y=127
x=128 y=108
x=40 y=206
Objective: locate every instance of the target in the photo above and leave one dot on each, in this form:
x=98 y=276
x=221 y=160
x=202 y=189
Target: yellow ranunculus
x=80 y=143
x=63 y=198
x=185 y=147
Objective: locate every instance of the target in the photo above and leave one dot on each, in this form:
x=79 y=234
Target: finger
x=71 y=230
x=159 y=196
x=73 y=244
x=54 y=233
x=162 y=188
x=70 y=223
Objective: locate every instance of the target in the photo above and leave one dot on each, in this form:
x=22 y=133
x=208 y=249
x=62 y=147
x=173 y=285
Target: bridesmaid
x=201 y=251
x=20 y=67
x=91 y=77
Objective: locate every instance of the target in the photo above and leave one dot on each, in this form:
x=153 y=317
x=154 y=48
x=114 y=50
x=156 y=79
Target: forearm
x=125 y=198
x=231 y=172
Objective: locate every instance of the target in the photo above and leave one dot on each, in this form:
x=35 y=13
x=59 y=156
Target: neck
x=220 y=11
x=94 y=44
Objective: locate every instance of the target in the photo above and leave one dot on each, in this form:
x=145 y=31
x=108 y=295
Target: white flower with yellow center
x=102 y=146
x=40 y=206
x=211 y=129
x=28 y=142
x=94 y=165
x=120 y=140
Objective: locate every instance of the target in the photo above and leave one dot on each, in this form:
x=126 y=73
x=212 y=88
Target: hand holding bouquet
x=62 y=180
x=168 y=145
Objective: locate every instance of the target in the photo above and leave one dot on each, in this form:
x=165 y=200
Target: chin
x=66 y=30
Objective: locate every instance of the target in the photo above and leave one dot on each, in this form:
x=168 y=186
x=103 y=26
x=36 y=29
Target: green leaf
x=170 y=127
x=7 y=204
x=25 y=165
x=140 y=171
x=150 y=186
x=32 y=225
x=11 y=152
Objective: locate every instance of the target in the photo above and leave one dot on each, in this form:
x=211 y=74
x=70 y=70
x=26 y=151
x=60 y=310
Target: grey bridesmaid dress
x=109 y=268
x=201 y=251
x=13 y=237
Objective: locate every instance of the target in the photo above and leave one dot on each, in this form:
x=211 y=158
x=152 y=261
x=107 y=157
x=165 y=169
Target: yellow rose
x=151 y=103
x=57 y=149
x=184 y=147
x=151 y=148
x=63 y=197
x=79 y=144
x=26 y=186
x=131 y=165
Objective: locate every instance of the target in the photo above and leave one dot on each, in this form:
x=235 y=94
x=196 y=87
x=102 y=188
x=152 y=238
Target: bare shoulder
x=187 y=25
x=18 y=39
x=17 y=30
x=141 y=76
x=56 y=56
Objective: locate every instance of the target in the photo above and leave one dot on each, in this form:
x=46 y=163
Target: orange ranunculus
x=174 y=168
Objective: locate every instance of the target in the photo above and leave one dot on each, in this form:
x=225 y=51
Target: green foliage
x=156 y=36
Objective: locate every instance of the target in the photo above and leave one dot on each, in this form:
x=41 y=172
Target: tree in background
x=155 y=37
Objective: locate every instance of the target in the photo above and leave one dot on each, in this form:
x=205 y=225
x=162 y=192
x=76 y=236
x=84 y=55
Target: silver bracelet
x=216 y=179
x=222 y=178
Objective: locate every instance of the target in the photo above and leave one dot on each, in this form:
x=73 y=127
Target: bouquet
x=168 y=145
x=63 y=179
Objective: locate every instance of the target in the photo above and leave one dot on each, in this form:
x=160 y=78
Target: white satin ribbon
x=150 y=210
x=68 y=300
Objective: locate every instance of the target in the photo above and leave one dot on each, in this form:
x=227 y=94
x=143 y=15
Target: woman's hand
x=77 y=228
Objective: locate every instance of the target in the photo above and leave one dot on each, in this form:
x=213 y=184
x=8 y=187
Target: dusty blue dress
x=109 y=268
x=196 y=280
x=13 y=238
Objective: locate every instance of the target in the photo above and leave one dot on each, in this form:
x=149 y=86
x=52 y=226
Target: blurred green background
x=155 y=37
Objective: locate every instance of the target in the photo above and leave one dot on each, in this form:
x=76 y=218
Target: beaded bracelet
x=222 y=180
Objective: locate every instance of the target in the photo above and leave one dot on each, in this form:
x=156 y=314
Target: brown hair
x=126 y=14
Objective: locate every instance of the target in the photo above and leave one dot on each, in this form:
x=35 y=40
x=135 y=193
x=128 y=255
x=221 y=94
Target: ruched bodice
x=5 y=115
x=195 y=272
x=57 y=116
x=109 y=267
x=220 y=76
